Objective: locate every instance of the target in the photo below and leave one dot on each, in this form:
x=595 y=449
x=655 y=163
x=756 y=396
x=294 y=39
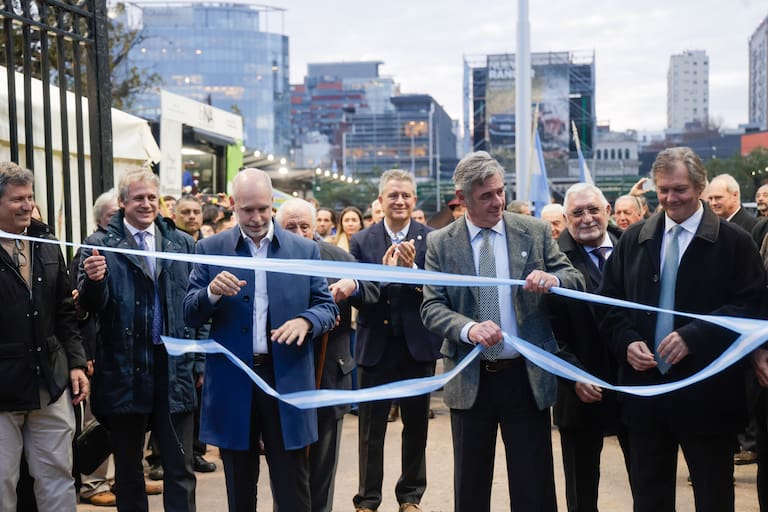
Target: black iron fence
x=55 y=58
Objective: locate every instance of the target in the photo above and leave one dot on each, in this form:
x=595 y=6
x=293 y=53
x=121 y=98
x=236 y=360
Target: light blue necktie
x=665 y=322
x=488 y=296
x=157 y=310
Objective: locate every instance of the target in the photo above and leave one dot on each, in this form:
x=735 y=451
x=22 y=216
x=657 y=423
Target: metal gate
x=55 y=58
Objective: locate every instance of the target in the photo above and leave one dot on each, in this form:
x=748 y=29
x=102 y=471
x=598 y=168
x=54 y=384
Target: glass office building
x=222 y=54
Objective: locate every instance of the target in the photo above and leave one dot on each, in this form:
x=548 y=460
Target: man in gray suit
x=501 y=388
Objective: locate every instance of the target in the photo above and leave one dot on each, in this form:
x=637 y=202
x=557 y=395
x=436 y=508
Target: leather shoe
x=156 y=472
x=409 y=507
x=203 y=466
x=153 y=488
x=364 y=509
x=101 y=499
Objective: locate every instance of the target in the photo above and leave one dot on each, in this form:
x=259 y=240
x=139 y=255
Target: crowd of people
x=87 y=341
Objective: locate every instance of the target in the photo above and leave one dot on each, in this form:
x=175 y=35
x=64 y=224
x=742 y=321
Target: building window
x=626 y=153
x=613 y=154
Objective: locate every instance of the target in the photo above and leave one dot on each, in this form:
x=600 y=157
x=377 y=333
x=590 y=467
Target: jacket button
x=34 y=313
x=244 y=330
x=386 y=322
x=246 y=298
x=39 y=349
x=655 y=278
x=39 y=279
x=138 y=303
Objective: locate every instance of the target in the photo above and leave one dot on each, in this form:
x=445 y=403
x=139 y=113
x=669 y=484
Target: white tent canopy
x=132 y=144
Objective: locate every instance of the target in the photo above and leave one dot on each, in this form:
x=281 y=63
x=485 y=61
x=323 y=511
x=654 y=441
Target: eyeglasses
x=19 y=259
x=592 y=211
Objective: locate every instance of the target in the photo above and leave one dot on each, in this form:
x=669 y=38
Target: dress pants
x=288 y=469
x=654 y=469
x=173 y=432
x=581 y=464
x=323 y=459
x=45 y=436
x=505 y=399
x=396 y=364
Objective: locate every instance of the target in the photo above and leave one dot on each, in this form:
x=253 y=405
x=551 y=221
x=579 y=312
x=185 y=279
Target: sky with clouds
x=422 y=45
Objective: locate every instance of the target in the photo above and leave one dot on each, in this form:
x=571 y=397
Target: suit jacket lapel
x=463 y=261
x=518 y=248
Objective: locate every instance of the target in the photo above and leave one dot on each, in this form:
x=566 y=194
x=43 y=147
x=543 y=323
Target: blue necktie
x=488 y=296
x=157 y=310
x=665 y=322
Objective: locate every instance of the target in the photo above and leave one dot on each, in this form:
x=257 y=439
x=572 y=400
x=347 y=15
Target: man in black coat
x=393 y=344
x=724 y=197
x=41 y=352
x=584 y=413
x=333 y=361
x=688 y=259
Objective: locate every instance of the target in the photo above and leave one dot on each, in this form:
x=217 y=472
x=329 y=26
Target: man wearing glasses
x=41 y=354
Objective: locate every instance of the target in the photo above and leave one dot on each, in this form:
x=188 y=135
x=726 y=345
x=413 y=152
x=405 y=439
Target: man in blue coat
x=268 y=320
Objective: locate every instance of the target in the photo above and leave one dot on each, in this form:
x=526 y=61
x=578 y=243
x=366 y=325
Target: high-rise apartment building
x=219 y=53
x=688 y=90
x=758 y=76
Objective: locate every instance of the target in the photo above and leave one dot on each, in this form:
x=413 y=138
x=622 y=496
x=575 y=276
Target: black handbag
x=93 y=447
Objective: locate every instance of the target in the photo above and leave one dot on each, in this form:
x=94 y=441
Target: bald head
x=724 y=195
x=627 y=211
x=554 y=214
x=252 y=193
x=761 y=198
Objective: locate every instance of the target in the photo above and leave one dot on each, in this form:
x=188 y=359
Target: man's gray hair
x=474 y=168
x=14 y=174
x=296 y=204
x=105 y=200
x=580 y=188
x=395 y=174
x=556 y=208
x=134 y=176
x=634 y=199
x=731 y=185
x=667 y=161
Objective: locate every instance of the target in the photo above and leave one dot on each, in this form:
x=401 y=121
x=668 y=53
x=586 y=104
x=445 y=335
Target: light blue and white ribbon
x=752 y=333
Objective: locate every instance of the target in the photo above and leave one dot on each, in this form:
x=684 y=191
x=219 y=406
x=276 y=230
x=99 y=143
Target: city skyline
x=422 y=47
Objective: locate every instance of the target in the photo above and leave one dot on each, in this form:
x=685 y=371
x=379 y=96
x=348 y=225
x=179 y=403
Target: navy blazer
x=227 y=392
x=397 y=302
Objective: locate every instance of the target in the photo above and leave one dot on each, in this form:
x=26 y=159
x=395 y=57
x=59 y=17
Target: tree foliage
x=37 y=46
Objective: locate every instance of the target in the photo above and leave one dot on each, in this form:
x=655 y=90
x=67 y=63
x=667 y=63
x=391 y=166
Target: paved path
x=614 y=489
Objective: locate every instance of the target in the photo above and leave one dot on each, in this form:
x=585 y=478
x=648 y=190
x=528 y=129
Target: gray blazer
x=446 y=309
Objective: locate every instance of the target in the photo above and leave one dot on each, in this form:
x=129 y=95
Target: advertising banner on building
x=549 y=94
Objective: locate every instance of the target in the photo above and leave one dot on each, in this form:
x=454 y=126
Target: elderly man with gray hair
x=333 y=361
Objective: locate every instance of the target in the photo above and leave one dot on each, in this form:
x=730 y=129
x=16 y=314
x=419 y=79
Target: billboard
x=550 y=89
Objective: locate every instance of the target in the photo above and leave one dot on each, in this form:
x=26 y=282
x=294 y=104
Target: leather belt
x=500 y=364
x=261 y=359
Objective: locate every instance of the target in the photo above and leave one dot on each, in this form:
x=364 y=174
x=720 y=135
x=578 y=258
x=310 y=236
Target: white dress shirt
x=260 y=296
x=498 y=239
x=685 y=236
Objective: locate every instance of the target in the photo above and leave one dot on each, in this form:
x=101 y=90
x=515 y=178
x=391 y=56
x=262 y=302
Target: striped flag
x=584 y=175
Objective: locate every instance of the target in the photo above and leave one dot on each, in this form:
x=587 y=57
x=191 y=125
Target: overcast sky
x=422 y=44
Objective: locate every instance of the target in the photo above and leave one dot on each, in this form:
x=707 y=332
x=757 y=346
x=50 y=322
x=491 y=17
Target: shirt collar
x=393 y=235
x=474 y=230
x=133 y=230
x=691 y=224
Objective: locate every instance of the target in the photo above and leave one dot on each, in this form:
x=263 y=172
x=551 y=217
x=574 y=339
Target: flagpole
x=522 y=101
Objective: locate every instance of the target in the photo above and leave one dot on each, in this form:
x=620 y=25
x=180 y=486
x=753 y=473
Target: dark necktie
x=665 y=322
x=599 y=253
x=157 y=310
x=488 y=296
